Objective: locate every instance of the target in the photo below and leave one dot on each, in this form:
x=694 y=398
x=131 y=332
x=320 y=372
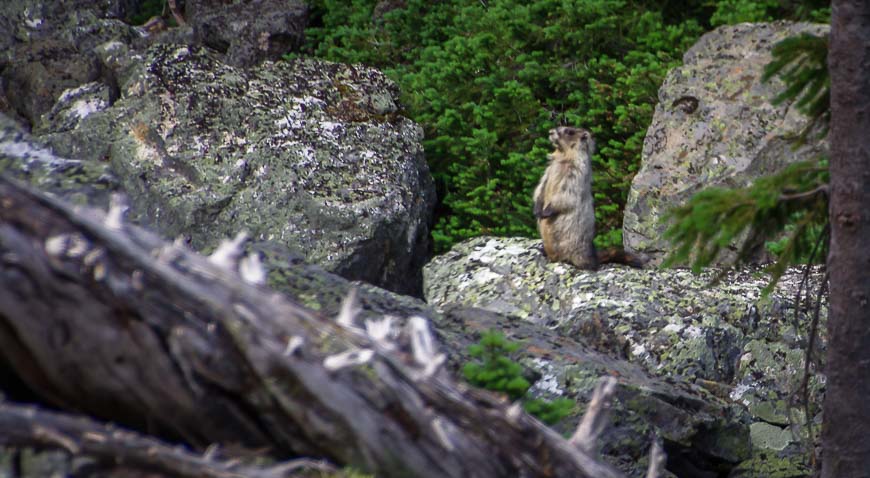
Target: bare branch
x=596 y=418
x=823 y=189
x=176 y=12
x=25 y=426
x=657 y=459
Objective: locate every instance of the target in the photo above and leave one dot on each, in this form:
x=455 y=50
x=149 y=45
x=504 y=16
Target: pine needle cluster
x=802 y=63
x=791 y=205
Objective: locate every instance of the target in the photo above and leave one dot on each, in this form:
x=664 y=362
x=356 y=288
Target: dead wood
x=32 y=427
x=106 y=319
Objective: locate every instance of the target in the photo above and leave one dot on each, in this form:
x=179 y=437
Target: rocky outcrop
x=726 y=360
x=248 y=32
x=47 y=47
x=714 y=126
x=308 y=154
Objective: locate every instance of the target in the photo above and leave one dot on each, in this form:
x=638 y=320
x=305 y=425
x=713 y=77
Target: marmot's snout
x=554 y=136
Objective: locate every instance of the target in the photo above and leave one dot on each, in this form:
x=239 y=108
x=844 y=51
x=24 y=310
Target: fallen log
x=36 y=428
x=104 y=318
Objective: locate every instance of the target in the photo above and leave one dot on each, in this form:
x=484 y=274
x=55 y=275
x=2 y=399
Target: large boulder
x=725 y=338
x=248 y=32
x=714 y=125
x=46 y=47
x=308 y=154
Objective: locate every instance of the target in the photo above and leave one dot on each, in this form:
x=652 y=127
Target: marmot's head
x=566 y=138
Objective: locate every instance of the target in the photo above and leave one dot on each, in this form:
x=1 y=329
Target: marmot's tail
x=618 y=255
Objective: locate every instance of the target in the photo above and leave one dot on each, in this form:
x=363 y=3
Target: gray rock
x=696 y=426
x=81 y=182
x=47 y=48
x=714 y=126
x=249 y=32
x=726 y=338
x=770 y=437
x=30 y=463
x=309 y=154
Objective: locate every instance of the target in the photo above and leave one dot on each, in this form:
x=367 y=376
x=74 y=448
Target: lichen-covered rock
x=714 y=126
x=308 y=154
x=81 y=182
x=46 y=47
x=726 y=337
x=248 y=32
x=697 y=427
x=772 y=465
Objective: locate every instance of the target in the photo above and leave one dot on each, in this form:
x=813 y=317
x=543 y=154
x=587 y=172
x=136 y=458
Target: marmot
x=564 y=207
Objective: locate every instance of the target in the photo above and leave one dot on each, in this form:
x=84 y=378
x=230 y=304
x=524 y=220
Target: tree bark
x=77 y=435
x=846 y=449
x=106 y=319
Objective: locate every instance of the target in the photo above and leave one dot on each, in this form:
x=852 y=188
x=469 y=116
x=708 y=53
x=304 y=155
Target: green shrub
x=736 y=11
x=487 y=80
x=494 y=369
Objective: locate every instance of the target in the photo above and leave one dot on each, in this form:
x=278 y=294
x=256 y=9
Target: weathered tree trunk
x=32 y=427
x=106 y=319
x=846 y=449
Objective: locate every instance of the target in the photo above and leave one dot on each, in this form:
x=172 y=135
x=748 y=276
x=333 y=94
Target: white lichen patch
x=739 y=391
x=582 y=300
x=83 y=108
x=549 y=383
x=693 y=332
x=146 y=153
x=485 y=254
x=181 y=53
x=71 y=93
x=331 y=129
x=33 y=156
x=639 y=351
x=484 y=277
x=514 y=250
x=31 y=21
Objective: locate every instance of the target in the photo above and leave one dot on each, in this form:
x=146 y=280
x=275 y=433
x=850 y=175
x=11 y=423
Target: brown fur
x=563 y=199
x=564 y=207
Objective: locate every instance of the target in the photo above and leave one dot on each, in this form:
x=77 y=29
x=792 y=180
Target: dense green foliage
x=488 y=79
x=494 y=369
x=729 y=12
